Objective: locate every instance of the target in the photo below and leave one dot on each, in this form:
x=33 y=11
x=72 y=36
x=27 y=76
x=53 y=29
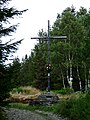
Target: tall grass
x=25 y=90
x=31 y=107
x=75 y=109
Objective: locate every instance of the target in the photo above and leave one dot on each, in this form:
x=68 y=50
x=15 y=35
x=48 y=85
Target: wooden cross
x=48 y=37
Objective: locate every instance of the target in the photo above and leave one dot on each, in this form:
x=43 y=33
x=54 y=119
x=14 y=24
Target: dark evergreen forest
x=7 y=48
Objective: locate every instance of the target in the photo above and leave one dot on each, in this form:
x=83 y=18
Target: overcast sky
x=40 y=11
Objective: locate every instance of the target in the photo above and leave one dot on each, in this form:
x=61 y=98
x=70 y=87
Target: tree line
x=70 y=58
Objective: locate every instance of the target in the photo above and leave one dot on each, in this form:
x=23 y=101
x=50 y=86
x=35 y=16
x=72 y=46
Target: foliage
x=6 y=47
x=74 y=108
x=64 y=91
x=7 y=13
x=30 y=107
x=14 y=72
x=18 y=90
x=69 y=57
x=4 y=83
x=24 y=94
x=3 y=115
x=27 y=90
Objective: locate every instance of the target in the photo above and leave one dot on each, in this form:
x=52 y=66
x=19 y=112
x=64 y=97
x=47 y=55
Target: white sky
x=40 y=11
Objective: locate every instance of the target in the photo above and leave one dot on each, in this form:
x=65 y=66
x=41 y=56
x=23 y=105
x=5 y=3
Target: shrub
x=64 y=91
x=19 y=90
x=75 y=109
x=2 y=115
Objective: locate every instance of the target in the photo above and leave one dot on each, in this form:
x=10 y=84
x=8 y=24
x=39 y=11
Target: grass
x=25 y=92
x=75 y=109
x=64 y=91
x=75 y=106
x=31 y=107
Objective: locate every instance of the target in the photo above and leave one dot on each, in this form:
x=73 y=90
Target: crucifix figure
x=48 y=37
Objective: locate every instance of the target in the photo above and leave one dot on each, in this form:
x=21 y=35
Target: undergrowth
x=3 y=115
x=74 y=109
x=64 y=91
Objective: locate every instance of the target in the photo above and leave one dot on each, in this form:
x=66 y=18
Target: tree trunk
x=82 y=77
x=75 y=82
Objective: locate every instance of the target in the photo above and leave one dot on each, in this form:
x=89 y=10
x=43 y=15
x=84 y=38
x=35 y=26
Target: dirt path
x=17 y=114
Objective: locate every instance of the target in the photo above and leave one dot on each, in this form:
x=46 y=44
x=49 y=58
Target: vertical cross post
x=48 y=37
x=49 y=56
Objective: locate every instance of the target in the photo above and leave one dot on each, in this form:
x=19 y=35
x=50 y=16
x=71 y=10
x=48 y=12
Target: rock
x=47 y=99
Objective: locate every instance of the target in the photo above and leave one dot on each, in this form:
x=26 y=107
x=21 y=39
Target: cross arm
x=51 y=37
x=38 y=37
x=58 y=37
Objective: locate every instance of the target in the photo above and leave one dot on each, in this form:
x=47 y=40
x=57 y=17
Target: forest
x=69 y=58
x=69 y=65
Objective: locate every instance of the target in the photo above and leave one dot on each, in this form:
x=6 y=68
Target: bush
x=64 y=91
x=75 y=109
x=19 y=90
x=2 y=115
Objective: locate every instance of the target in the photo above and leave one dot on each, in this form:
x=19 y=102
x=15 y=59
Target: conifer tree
x=6 y=48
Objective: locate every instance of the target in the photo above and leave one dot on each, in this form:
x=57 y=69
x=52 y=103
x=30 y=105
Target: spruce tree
x=8 y=47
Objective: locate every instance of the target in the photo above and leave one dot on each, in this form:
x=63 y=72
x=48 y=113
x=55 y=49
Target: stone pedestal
x=48 y=98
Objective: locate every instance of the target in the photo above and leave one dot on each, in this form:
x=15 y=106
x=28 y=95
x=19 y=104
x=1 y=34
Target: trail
x=18 y=114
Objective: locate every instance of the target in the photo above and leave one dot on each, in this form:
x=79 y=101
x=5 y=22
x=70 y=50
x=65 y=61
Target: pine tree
x=6 y=14
x=6 y=48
